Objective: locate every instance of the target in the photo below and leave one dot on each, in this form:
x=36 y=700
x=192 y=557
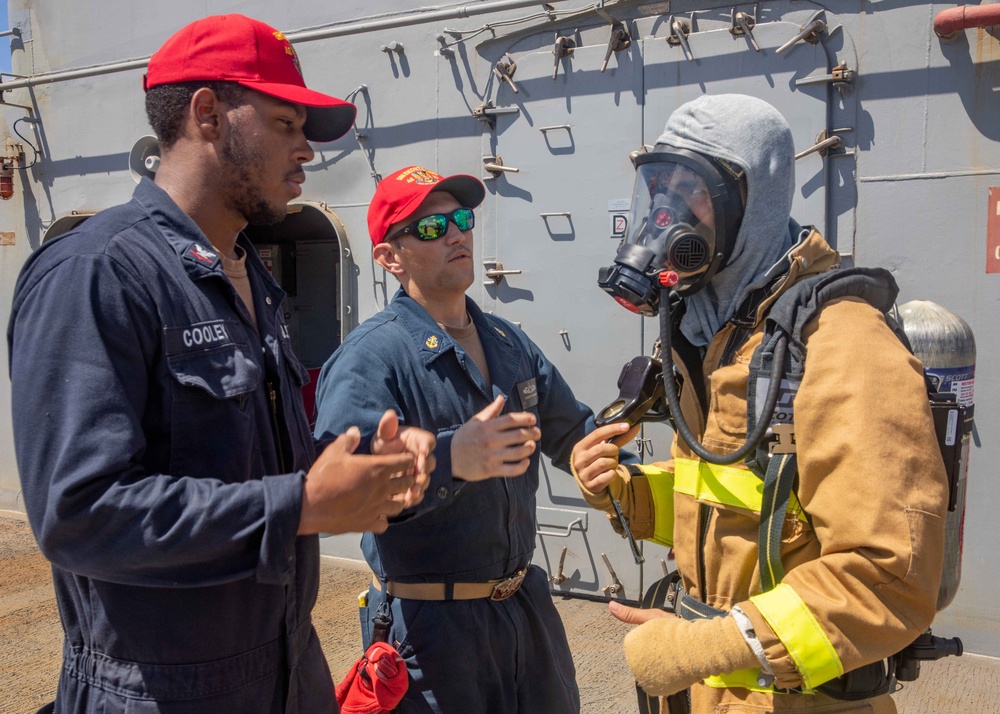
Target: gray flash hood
x=752 y=134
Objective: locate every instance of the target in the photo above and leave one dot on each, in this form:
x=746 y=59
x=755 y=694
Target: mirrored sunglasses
x=436 y=225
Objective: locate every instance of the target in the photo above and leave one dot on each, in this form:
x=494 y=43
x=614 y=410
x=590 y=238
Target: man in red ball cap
x=454 y=588
x=169 y=473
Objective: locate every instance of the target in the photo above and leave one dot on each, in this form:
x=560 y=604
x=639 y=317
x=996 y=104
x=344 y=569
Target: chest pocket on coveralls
x=214 y=379
x=300 y=374
x=527 y=396
x=300 y=378
x=526 y=399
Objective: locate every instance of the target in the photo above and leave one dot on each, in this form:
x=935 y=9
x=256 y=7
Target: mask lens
x=464 y=218
x=432 y=227
x=681 y=226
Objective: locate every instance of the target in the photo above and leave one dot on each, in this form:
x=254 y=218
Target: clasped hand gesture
x=346 y=492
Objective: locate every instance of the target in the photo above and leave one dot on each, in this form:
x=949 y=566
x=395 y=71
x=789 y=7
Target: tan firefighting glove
x=667 y=655
x=632 y=492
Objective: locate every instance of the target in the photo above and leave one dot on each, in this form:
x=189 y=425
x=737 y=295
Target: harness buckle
x=785 y=439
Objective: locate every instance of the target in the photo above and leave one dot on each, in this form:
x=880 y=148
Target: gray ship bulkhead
x=897 y=130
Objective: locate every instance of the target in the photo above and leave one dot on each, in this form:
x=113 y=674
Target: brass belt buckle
x=507 y=587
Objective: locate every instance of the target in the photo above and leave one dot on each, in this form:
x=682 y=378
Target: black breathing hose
x=670 y=390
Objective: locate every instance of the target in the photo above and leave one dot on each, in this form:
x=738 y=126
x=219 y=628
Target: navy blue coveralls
x=463 y=655
x=162 y=445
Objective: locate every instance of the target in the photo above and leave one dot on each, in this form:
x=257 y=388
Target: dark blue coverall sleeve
x=561 y=427
x=356 y=387
x=87 y=341
x=564 y=419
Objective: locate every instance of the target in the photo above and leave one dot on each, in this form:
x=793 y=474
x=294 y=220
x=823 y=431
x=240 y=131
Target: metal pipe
x=300 y=36
x=949 y=22
x=74 y=74
x=930 y=176
x=392 y=22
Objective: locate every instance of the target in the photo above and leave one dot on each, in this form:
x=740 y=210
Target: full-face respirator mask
x=685 y=215
x=686 y=212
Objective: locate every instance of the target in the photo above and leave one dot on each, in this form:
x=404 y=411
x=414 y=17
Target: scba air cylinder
x=944 y=342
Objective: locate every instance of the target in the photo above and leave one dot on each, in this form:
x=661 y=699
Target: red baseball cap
x=399 y=195
x=236 y=48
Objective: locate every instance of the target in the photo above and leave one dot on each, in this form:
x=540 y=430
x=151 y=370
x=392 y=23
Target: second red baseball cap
x=236 y=48
x=399 y=195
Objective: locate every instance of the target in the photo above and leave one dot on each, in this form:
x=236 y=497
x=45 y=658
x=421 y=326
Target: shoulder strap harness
x=774 y=460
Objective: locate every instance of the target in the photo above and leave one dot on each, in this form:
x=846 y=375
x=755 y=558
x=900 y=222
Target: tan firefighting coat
x=862 y=550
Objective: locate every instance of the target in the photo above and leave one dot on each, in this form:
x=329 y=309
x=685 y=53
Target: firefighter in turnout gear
x=858 y=549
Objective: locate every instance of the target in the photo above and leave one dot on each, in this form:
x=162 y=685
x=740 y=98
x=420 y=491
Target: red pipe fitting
x=949 y=23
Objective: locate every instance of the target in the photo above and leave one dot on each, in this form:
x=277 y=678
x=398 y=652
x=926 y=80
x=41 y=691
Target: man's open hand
x=493 y=444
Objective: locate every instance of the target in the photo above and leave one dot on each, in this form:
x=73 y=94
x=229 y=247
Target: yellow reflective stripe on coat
x=746 y=679
x=795 y=625
x=661 y=487
x=724 y=485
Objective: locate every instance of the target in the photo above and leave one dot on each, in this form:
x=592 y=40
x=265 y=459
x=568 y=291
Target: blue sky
x=5 y=46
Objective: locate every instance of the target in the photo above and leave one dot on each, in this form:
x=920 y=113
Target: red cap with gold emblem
x=236 y=48
x=399 y=195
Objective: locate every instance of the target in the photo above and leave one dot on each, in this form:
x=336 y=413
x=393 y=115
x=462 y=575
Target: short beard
x=244 y=191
